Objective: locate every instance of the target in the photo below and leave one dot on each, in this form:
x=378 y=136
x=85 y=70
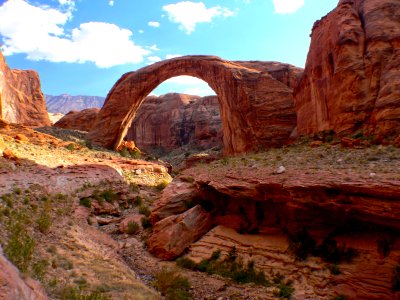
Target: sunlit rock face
x=257 y=110
x=21 y=98
x=351 y=80
x=78 y=120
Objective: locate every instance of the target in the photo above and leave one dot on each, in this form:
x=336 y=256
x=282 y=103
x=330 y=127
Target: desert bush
x=39 y=269
x=44 y=222
x=70 y=147
x=109 y=195
x=335 y=270
x=76 y=293
x=144 y=210
x=133 y=227
x=396 y=279
x=87 y=202
x=172 y=285
x=285 y=291
x=20 y=246
x=162 y=185
x=138 y=201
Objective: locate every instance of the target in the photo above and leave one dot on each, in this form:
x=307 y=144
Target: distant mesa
x=21 y=98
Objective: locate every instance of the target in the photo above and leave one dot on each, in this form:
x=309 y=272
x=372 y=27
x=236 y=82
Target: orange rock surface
x=78 y=120
x=21 y=98
x=172 y=235
x=352 y=76
x=256 y=109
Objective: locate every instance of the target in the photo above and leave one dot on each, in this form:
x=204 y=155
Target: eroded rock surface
x=352 y=76
x=78 y=120
x=21 y=98
x=172 y=235
x=256 y=109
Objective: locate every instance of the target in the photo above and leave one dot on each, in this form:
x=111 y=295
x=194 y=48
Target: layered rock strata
x=78 y=120
x=351 y=80
x=21 y=98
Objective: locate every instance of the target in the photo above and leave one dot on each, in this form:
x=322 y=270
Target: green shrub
x=172 y=285
x=138 y=201
x=7 y=199
x=285 y=291
x=162 y=185
x=44 y=222
x=133 y=227
x=70 y=147
x=144 y=210
x=20 y=246
x=109 y=195
x=87 y=202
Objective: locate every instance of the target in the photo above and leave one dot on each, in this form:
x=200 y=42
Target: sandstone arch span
x=256 y=109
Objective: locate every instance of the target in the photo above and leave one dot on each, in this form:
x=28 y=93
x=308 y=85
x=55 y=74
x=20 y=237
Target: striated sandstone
x=21 y=98
x=352 y=76
x=256 y=109
x=78 y=120
x=172 y=235
x=174 y=120
x=176 y=198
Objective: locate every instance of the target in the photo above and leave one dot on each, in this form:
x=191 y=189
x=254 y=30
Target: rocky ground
x=76 y=202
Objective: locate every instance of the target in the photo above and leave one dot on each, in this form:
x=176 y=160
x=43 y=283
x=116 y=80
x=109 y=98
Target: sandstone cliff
x=352 y=76
x=174 y=120
x=21 y=98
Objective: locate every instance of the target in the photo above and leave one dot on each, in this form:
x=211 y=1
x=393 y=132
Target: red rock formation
x=257 y=110
x=79 y=120
x=174 y=120
x=172 y=235
x=21 y=99
x=352 y=75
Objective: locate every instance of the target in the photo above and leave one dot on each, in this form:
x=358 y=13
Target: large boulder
x=78 y=120
x=351 y=80
x=172 y=235
x=21 y=98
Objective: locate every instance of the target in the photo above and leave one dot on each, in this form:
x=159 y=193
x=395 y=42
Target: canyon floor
x=69 y=206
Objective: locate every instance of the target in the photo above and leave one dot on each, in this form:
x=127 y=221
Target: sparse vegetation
x=146 y=222
x=230 y=267
x=162 y=185
x=172 y=285
x=144 y=210
x=133 y=227
x=76 y=293
x=87 y=202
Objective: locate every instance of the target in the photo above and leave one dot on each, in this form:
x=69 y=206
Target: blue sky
x=82 y=47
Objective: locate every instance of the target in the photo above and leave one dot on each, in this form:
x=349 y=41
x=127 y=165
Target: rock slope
x=21 y=98
x=352 y=76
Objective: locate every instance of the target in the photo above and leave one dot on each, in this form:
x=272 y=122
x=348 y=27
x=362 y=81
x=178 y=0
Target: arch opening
x=184 y=119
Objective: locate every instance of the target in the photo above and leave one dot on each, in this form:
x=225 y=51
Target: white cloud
x=187 y=14
x=39 y=32
x=287 y=6
x=154 y=59
x=154 y=48
x=111 y=2
x=200 y=91
x=141 y=31
x=169 y=56
x=154 y=24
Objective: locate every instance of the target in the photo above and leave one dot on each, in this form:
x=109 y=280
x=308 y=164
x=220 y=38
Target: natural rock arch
x=257 y=110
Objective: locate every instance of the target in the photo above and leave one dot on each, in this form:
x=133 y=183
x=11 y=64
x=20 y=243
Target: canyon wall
x=351 y=80
x=175 y=120
x=21 y=98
